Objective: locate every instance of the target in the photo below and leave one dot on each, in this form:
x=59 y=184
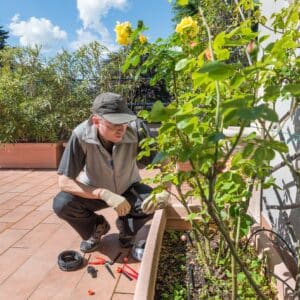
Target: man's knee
x=60 y=203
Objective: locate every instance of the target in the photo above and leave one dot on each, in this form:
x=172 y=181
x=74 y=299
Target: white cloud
x=84 y=37
x=91 y=11
x=37 y=31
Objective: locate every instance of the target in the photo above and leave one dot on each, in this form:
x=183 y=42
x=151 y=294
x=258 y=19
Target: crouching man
x=99 y=169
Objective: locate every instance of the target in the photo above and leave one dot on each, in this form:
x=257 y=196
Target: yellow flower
x=187 y=26
x=123 y=32
x=143 y=39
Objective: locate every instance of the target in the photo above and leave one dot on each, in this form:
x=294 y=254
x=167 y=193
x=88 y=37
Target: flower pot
x=30 y=155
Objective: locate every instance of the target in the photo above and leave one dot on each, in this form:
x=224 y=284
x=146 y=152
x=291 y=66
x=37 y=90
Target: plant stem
x=223 y=231
x=237 y=139
x=221 y=245
x=237 y=235
x=230 y=244
x=195 y=228
x=209 y=35
x=243 y=18
x=233 y=269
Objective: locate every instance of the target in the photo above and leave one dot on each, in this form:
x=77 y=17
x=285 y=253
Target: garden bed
x=172 y=218
x=181 y=277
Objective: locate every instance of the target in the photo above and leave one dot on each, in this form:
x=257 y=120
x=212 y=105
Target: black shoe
x=93 y=242
x=125 y=240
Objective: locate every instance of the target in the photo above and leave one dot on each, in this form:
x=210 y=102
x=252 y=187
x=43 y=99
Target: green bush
x=38 y=102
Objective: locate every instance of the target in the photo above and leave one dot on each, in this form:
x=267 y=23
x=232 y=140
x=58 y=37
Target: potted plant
x=39 y=107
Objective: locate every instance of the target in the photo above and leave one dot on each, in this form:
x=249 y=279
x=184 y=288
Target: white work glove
x=119 y=203
x=153 y=202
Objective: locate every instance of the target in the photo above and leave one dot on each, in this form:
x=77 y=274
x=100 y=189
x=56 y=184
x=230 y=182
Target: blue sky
x=68 y=24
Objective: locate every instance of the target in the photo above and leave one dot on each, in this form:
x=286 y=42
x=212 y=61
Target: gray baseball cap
x=113 y=108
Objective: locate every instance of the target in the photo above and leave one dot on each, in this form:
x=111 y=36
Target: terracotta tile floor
x=31 y=237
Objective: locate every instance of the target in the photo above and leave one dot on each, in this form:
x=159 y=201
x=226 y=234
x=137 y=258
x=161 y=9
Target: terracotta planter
x=183 y=166
x=173 y=218
x=30 y=155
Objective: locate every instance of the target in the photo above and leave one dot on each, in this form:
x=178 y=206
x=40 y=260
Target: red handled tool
x=120 y=270
x=127 y=270
x=101 y=261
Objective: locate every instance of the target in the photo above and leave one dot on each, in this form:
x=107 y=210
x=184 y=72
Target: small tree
x=211 y=93
x=3 y=37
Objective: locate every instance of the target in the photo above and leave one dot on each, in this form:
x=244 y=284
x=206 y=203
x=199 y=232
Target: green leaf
x=166 y=127
x=278 y=146
x=271 y=182
x=236 y=43
x=237 y=80
x=218 y=70
x=263 y=38
x=272 y=92
x=269 y=154
x=234 y=211
x=294 y=89
x=135 y=60
x=158 y=112
x=267 y=113
x=126 y=65
x=181 y=64
x=246 y=222
x=187 y=124
x=250 y=137
x=248 y=114
x=238 y=103
x=219 y=40
x=192 y=216
x=230 y=114
x=216 y=136
x=248 y=150
x=199 y=79
x=159 y=157
x=259 y=155
x=241 y=277
x=222 y=54
x=259 y=112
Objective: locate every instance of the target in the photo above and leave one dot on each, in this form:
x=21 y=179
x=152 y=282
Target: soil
x=181 y=277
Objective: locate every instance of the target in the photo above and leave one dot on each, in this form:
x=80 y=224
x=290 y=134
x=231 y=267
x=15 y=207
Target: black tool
x=91 y=270
x=109 y=269
x=115 y=259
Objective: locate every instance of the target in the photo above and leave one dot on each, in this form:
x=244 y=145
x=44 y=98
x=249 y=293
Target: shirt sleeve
x=73 y=159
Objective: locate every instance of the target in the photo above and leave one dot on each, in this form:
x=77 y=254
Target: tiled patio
x=31 y=237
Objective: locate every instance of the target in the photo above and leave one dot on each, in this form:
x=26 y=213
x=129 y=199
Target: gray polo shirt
x=86 y=160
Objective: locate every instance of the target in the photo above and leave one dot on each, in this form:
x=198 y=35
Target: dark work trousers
x=80 y=212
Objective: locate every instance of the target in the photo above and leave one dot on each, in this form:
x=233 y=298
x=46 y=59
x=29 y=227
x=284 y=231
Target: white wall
x=284 y=221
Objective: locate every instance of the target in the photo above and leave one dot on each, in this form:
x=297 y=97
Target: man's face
x=111 y=132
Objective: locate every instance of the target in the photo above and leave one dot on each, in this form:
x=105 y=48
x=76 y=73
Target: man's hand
x=153 y=202
x=119 y=203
